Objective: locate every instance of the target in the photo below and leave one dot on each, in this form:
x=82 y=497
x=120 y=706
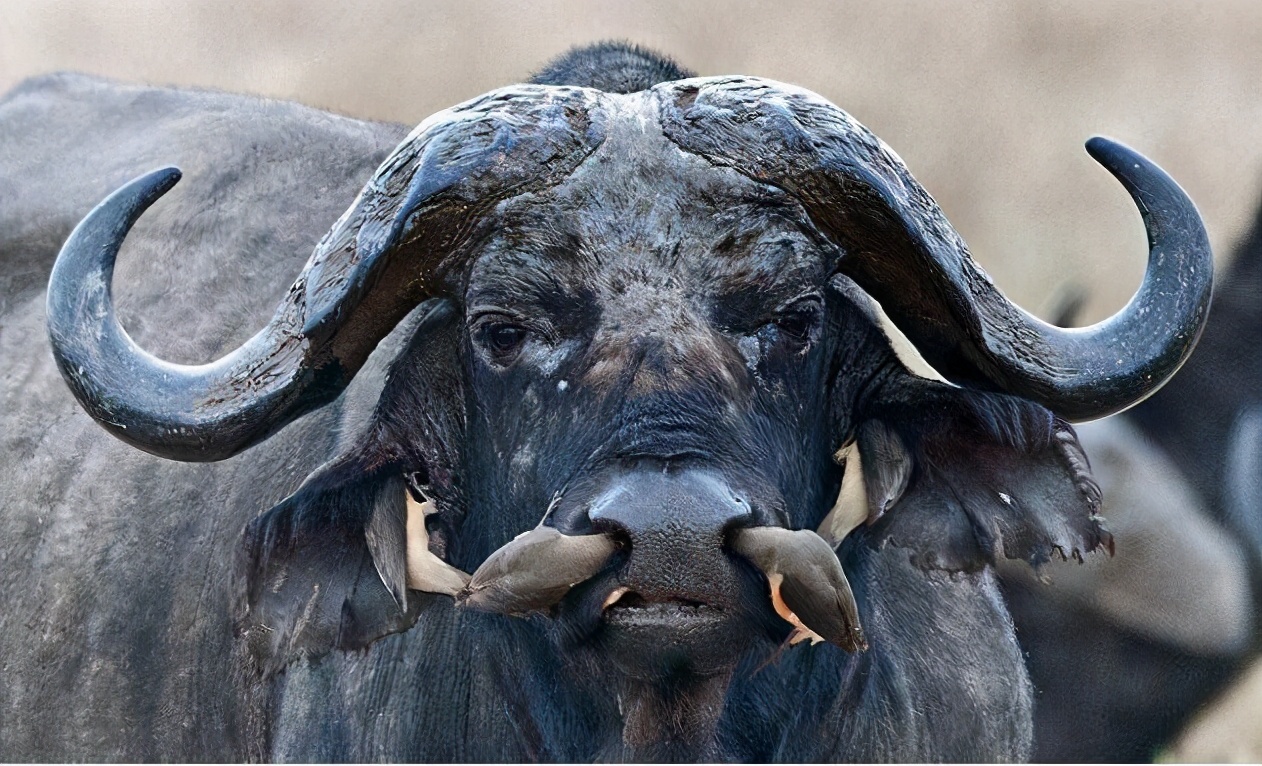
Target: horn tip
x=1110 y=153
x=1099 y=142
x=172 y=172
x=160 y=181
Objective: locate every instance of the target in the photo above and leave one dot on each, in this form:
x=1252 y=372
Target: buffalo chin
x=673 y=721
x=674 y=660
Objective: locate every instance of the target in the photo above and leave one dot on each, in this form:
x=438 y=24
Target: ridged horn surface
x=385 y=255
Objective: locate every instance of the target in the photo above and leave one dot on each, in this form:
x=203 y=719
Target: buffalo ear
x=964 y=478
x=326 y=568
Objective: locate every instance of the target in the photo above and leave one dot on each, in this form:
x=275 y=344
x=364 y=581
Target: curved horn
x=385 y=255
x=900 y=248
x=535 y=570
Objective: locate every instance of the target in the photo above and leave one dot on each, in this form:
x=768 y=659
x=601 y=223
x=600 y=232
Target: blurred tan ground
x=988 y=104
x=1229 y=731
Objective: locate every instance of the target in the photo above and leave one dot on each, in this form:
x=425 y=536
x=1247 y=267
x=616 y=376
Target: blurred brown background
x=988 y=104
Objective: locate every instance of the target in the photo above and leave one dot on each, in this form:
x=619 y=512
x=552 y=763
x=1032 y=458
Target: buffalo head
x=645 y=366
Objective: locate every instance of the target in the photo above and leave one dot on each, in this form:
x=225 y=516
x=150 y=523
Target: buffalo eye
x=501 y=338
x=505 y=338
x=797 y=322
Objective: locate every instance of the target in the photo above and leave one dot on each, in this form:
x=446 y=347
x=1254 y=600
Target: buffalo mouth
x=651 y=636
x=623 y=600
x=670 y=633
x=630 y=610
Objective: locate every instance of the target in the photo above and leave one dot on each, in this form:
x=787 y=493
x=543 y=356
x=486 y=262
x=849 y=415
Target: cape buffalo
x=628 y=372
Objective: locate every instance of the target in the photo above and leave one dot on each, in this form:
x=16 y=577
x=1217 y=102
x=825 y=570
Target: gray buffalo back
x=116 y=565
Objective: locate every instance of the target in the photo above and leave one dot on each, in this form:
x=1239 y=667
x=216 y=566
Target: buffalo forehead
x=640 y=212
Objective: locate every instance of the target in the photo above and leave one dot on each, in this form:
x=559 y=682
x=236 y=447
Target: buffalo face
x=648 y=358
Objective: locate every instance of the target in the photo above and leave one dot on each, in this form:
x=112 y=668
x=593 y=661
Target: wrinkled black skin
x=125 y=601
x=694 y=341
x=1107 y=694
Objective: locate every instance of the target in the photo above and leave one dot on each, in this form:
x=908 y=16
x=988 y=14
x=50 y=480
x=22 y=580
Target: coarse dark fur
x=696 y=321
x=613 y=67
